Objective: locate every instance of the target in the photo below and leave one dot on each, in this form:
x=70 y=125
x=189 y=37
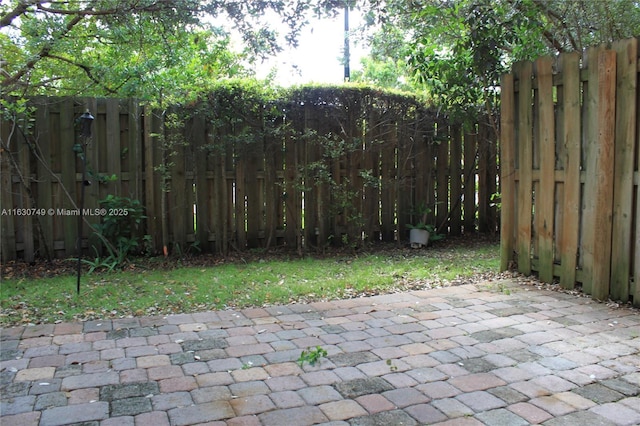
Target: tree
x=135 y=47
x=458 y=49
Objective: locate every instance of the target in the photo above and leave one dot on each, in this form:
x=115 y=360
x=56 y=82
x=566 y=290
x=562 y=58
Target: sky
x=318 y=56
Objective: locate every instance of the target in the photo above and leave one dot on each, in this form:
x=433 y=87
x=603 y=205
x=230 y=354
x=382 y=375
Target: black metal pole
x=80 y=216
x=86 y=120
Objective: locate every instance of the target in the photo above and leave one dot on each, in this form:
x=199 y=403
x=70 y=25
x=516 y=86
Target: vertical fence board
x=149 y=177
x=568 y=238
x=590 y=150
x=525 y=160
x=507 y=169
x=7 y=225
x=92 y=192
x=456 y=181
x=625 y=130
x=113 y=143
x=389 y=179
x=177 y=197
x=68 y=163
x=292 y=195
x=484 y=194
x=546 y=193
x=42 y=145
x=254 y=190
x=470 y=151
x=24 y=158
x=201 y=178
x=442 y=180
x=372 y=193
x=605 y=172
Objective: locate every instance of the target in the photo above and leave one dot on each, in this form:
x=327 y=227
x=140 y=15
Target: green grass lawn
x=158 y=291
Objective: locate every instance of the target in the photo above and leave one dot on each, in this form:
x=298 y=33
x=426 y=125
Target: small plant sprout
x=312 y=356
x=391 y=366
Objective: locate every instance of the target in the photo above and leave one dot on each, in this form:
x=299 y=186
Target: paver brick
x=282 y=383
x=405 y=397
x=130 y=406
x=41 y=373
x=167 y=401
x=342 y=410
x=23 y=419
x=252 y=405
x=286 y=399
x=529 y=412
x=476 y=382
x=17 y=405
x=155 y=418
x=200 y=413
x=452 y=408
x=395 y=417
x=553 y=405
x=304 y=416
x=90 y=380
x=78 y=413
x=480 y=401
x=177 y=384
x=244 y=389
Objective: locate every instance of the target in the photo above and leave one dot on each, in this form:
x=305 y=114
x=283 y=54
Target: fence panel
x=572 y=138
x=217 y=185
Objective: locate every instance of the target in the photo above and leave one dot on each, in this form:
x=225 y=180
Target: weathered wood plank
x=470 y=151
x=523 y=72
x=484 y=194
x=604 y=170
x=26 y=222
x=372 y=193
x=149 y=178
x=442 y=180
x=43 y=147
x=178 y=204
x=292 y=195
x=92 y=192
x=389 y=182
x=569 y=66
x=113 y=144
x=546 y=194
x=507 y=170
x=7 y=222
x=625 y=132
x=455 y=193
x=590 y=155
x=201 y=178
x=68 y=162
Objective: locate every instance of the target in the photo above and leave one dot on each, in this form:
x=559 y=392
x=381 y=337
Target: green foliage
x=456 y=50
x=421 y=213
x=312 y=356
x=120 y=230
x=147 y=49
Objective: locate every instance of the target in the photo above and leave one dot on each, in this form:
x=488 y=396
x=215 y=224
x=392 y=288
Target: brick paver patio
x=463 y=355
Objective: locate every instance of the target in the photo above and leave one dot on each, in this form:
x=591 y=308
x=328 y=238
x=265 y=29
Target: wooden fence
x=570 y=179
x=345 y=169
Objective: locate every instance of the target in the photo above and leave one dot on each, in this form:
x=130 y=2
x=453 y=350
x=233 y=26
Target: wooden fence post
x=604 y=170
x=568 y=237
x=507 y=169
x=545 y=196
x=625 y=133
x=523 y=73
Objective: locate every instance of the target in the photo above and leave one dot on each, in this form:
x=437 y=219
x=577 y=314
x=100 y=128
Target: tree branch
x=45 y=51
